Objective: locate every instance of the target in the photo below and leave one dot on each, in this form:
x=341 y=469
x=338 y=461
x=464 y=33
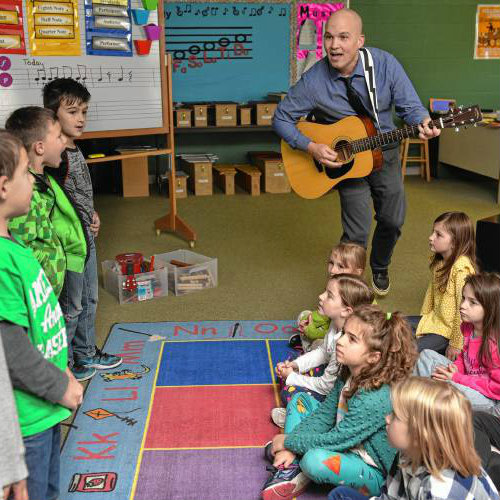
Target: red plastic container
x=130 y=262
x=142 y=47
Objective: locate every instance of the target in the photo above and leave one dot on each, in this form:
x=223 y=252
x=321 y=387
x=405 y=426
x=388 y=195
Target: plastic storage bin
x=140 y=16
x=199 y=274
x=147 y=286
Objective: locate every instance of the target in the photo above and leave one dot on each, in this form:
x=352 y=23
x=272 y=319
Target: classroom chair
x=421 y=158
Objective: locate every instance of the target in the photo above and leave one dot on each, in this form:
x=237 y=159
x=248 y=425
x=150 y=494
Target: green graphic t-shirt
x=27 y=299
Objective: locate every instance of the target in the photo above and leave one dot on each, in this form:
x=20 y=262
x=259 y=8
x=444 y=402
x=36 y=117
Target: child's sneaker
x=82 y=373
x=295 y=341
x=278 y=416
x=284 y=484
x=100 y=360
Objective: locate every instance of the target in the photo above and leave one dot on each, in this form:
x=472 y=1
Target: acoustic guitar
x=357 y=144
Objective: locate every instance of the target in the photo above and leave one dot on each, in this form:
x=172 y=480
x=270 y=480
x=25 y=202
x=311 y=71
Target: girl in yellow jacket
x=453 y=243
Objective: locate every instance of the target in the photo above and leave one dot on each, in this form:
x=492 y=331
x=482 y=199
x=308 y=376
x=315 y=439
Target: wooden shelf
x=213 y=129
x=135 y=154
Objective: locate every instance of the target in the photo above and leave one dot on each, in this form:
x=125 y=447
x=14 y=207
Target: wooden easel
x=172 y=222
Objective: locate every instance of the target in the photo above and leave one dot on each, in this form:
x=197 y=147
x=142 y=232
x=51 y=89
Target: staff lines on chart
x=120 y=109
x=95 y=77
x=228 y=41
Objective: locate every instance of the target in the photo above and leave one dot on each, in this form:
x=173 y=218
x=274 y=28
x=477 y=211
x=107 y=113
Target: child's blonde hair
x=350 y=255
x=486 y=290
x=461 y=230
x=439 y=420
x=391 y=336
x=353 y=289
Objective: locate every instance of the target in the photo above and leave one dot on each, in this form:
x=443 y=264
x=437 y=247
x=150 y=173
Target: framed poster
x=487 y=41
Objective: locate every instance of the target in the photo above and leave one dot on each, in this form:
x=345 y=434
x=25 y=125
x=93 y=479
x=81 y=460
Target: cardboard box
x=224 y=177
x=183 y=117
x=245 y=115
x=180 y=184
x=200 y=115
x=147 y=286
x=264 y=112
x=274 y=178
x=200 y=177
x=248 y=177
x=225 y=114
x=198 y=272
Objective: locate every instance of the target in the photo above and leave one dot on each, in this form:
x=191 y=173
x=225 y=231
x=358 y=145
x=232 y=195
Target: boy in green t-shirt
x=33 y=333
x=52 y=227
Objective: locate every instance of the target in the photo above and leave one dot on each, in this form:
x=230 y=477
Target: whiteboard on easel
x=126 y=91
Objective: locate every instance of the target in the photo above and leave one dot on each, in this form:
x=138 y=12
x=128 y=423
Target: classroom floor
x=272 y=249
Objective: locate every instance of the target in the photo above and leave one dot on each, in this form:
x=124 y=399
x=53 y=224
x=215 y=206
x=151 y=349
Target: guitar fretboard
x=379 y=140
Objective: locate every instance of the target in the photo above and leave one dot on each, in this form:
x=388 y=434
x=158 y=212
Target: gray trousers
x=384 y=189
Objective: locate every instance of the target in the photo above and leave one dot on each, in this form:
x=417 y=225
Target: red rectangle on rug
x=211 y=416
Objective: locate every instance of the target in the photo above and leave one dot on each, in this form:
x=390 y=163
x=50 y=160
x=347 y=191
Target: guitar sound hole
x=344 y=151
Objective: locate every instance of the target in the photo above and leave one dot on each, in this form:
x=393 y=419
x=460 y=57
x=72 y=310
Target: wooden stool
x=248 y=177
x=224 y=177
x=422 y=158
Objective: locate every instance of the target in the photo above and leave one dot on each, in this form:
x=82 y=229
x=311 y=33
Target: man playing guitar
x=335 y=88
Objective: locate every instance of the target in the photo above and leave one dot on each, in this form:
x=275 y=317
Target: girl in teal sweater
x=343 y=441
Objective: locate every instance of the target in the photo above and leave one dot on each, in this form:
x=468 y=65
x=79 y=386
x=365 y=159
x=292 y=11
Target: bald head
x=342 y=39
x=348 y=19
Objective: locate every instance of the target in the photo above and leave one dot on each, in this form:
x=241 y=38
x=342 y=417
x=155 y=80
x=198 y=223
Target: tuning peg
x=457 y=129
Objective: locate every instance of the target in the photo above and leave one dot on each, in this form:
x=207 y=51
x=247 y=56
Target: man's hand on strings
x=426 y=132
x=324 y=154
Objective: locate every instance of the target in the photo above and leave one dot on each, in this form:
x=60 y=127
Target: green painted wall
x=434 y=40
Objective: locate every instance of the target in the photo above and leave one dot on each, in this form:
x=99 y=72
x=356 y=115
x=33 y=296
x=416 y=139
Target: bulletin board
x=235 y=51
x=129 y=95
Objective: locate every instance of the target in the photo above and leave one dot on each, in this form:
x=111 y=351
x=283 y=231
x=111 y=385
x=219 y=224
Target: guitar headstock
x=458 y=117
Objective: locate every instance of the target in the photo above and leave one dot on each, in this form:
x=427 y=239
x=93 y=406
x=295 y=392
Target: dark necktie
x=354 y=98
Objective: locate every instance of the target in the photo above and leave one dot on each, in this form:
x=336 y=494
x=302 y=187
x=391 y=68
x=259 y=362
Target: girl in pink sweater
x=476 y=371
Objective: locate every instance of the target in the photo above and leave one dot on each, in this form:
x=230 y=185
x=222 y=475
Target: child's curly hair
x=391 y=336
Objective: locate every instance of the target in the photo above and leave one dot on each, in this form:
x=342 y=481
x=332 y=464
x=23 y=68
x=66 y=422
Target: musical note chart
x=126 y=91
x=228 y=51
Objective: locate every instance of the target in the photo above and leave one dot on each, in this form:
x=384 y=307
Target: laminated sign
x=11 y=27
x=108 y=27
x=53 y=28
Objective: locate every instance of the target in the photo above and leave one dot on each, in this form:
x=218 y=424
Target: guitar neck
x=385 y=138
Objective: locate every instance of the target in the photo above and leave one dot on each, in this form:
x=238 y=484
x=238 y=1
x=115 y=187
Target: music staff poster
x=228 y=51
x=126 y=91
x=311 y=20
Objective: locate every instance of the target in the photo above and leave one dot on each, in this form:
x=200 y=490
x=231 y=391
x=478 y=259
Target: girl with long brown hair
x=453 y=245
x=343 y=439
x=476 y=371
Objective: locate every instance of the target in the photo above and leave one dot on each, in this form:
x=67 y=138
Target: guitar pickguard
x=334 y=173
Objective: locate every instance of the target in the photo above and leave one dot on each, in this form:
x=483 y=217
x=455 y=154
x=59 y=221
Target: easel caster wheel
x=191 y=244
x=158 y=232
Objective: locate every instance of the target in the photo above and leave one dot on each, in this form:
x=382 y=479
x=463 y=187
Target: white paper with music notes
x=126 y=91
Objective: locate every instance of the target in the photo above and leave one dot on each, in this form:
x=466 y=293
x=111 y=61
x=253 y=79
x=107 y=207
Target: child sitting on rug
x=343 y=440
x=347 y=258
x=453 y=244
x=431 y=427
x=343 y=293
x=476 y=371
